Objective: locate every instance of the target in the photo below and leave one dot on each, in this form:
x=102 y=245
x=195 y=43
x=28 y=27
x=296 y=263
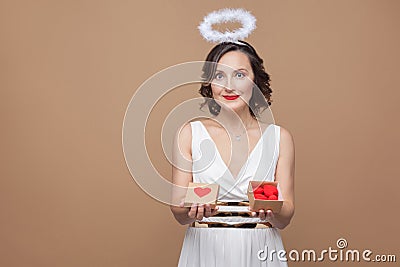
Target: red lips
x=230 y=97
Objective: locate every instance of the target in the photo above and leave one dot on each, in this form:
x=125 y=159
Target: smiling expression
x=233 y=80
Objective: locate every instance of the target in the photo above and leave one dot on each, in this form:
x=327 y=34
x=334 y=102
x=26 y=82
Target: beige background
x=68 y=71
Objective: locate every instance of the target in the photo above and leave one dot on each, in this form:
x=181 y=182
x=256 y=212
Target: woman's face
x=233 y=81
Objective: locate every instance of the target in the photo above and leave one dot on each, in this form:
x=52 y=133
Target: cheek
x=244 y=85
x=247 y=93
x=216 y=90
x=247 y=88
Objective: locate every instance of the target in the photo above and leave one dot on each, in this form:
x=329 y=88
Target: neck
x=235 y=120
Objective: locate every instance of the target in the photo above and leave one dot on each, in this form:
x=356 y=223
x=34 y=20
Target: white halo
x=227 y=15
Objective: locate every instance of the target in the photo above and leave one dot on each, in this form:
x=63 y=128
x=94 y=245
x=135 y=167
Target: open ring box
x=255 y=203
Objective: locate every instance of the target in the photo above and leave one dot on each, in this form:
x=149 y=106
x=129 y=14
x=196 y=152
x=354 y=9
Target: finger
x=254 y=214
x=214 y=211
x=262 y=214
x=192 y=212
x=270 y=215
x=200 y=212
x=207 y=212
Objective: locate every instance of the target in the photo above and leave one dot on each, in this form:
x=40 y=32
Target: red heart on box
x=201 y=192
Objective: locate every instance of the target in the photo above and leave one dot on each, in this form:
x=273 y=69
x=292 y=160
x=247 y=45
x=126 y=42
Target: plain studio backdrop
x=70 y=68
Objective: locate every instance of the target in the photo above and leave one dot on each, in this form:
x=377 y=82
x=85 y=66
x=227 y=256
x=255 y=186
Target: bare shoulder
x=183 y=137
x=285 y=133
x=286 y=140
x=186 y=129
x=184 y=133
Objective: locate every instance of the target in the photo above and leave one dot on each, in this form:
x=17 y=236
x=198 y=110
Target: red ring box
x=257 y=204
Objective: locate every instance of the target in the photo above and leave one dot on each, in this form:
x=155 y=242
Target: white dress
x=219 y=246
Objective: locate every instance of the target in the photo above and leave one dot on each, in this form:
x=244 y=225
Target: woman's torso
x=252 y=159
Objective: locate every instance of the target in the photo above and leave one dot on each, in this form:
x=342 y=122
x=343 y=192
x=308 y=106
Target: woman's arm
x=181 y=176
x=284 y=175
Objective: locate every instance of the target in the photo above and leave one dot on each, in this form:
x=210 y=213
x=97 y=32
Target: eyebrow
x=243 y=69
x=234 y=69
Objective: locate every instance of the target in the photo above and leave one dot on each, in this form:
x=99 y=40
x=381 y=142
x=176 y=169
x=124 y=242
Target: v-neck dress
x=219 y=246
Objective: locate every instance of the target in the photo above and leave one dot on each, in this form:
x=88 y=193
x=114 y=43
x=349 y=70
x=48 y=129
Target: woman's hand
x=265 y=215
x=198 y=211
x=276 y=220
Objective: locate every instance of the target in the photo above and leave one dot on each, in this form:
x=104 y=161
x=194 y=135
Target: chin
x=234 y=106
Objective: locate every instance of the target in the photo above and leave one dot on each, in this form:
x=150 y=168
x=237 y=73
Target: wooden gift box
x=201 y=193
x=257 y=204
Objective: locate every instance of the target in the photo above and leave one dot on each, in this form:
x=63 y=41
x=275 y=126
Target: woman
x=231 y=83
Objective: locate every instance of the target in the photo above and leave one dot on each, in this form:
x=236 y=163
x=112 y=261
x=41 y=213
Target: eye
x=219 y=76
x=240 y=75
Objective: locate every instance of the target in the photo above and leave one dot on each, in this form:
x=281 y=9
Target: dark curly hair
x=262 y=79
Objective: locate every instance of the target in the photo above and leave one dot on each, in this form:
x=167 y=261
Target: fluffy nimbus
x=227 y=15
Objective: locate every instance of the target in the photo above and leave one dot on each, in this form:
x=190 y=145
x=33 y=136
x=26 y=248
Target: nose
x=228 y=90
x=228 y=86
